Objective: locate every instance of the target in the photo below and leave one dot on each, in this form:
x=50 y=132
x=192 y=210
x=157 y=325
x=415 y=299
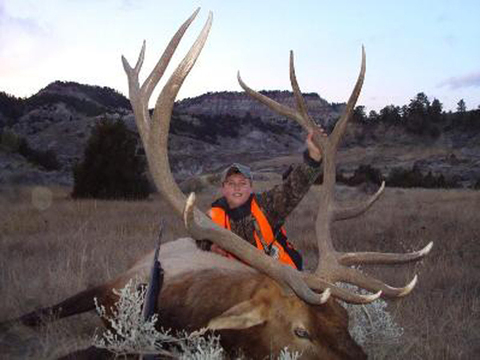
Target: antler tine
x=155 y=141
x=356 y=277
x=201 y=227
x=133 y=73
x=140 y=96
x=300 y=115
x=366 y=258
x=140 y=108
x=318 y=284
x=159 y=69
x=341 y=125
x=307 y=121
x=272 y=104
x=330 y=146
x=354 y=211
x=353 y=298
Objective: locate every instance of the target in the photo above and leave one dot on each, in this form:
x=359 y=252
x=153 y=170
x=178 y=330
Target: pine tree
x=461 y=107
x=110 y=168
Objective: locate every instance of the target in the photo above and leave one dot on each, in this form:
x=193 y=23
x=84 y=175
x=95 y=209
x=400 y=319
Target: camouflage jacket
x=276 y=203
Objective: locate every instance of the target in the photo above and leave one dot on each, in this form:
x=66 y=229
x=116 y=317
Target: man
x=259 y=218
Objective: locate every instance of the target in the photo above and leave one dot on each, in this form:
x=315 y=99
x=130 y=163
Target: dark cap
x=237 y=168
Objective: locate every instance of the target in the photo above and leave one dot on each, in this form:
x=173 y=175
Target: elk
x=263 y=306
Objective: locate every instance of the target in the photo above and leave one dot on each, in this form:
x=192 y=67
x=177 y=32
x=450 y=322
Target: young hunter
x=259 y=218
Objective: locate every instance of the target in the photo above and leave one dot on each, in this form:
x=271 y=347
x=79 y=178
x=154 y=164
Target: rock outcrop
x=215 y=129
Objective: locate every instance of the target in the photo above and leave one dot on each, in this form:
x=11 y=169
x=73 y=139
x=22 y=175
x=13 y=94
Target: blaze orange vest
x=272 y=247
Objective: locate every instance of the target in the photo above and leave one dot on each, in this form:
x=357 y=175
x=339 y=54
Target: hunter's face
x=236 y=189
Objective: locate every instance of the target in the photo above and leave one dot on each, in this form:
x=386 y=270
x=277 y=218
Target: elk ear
x=241 y=316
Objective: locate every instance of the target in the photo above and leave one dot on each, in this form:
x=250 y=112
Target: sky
x=411 y=46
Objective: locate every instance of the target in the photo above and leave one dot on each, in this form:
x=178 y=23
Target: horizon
x=411 y=48
x=233 y=91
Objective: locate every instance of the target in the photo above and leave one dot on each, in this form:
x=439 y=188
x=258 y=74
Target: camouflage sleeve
x=280 y=201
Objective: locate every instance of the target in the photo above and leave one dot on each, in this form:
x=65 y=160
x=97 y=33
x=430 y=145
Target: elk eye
x=302 y=333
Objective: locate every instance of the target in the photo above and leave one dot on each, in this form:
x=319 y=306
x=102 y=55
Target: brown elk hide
x=249 y=310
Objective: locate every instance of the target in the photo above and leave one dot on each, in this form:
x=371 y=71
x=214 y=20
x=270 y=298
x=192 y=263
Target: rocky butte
x=214 y=129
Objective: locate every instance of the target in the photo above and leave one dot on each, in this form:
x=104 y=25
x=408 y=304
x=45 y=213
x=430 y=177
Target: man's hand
x=314 y=152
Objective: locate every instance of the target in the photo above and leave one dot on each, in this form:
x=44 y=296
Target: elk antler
x=333 y=265
x=154 y=134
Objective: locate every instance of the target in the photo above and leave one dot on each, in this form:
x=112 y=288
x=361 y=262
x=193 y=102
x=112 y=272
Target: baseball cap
x=237 y=168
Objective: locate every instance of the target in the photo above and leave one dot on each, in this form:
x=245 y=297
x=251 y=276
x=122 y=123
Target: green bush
x=110 y=168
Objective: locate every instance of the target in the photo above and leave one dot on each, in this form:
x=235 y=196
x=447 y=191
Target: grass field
x=52 y=247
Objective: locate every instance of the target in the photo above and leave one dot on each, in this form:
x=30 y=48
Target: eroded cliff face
x=207 y=132
x=239 y=104
x=210 y=131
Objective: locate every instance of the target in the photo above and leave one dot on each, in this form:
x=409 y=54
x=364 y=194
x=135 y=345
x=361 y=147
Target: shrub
x=409 y=178
x=476 y=186
x=13 y=143
x=130 y=333
x=9 y=141
x=372 y=326
x=110 y=168
x=47 y=159
x=398 y=177
x=365 y=174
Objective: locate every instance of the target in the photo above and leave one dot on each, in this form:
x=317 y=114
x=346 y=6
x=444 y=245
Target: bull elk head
x=314 y=288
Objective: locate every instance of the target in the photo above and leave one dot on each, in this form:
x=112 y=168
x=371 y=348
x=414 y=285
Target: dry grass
x=49 y=254
x=441 y=317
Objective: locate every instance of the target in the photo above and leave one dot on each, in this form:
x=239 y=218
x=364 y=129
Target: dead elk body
x=249 y=310
x=268 y=306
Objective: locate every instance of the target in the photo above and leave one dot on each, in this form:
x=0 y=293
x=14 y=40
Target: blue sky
x=412 y=46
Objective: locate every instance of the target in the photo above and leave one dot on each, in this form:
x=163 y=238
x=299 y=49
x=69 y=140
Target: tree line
x=422 y=117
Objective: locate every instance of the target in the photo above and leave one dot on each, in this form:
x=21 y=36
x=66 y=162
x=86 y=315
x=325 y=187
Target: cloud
x=469 y=80
x=21 y=41
x=25 y=25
